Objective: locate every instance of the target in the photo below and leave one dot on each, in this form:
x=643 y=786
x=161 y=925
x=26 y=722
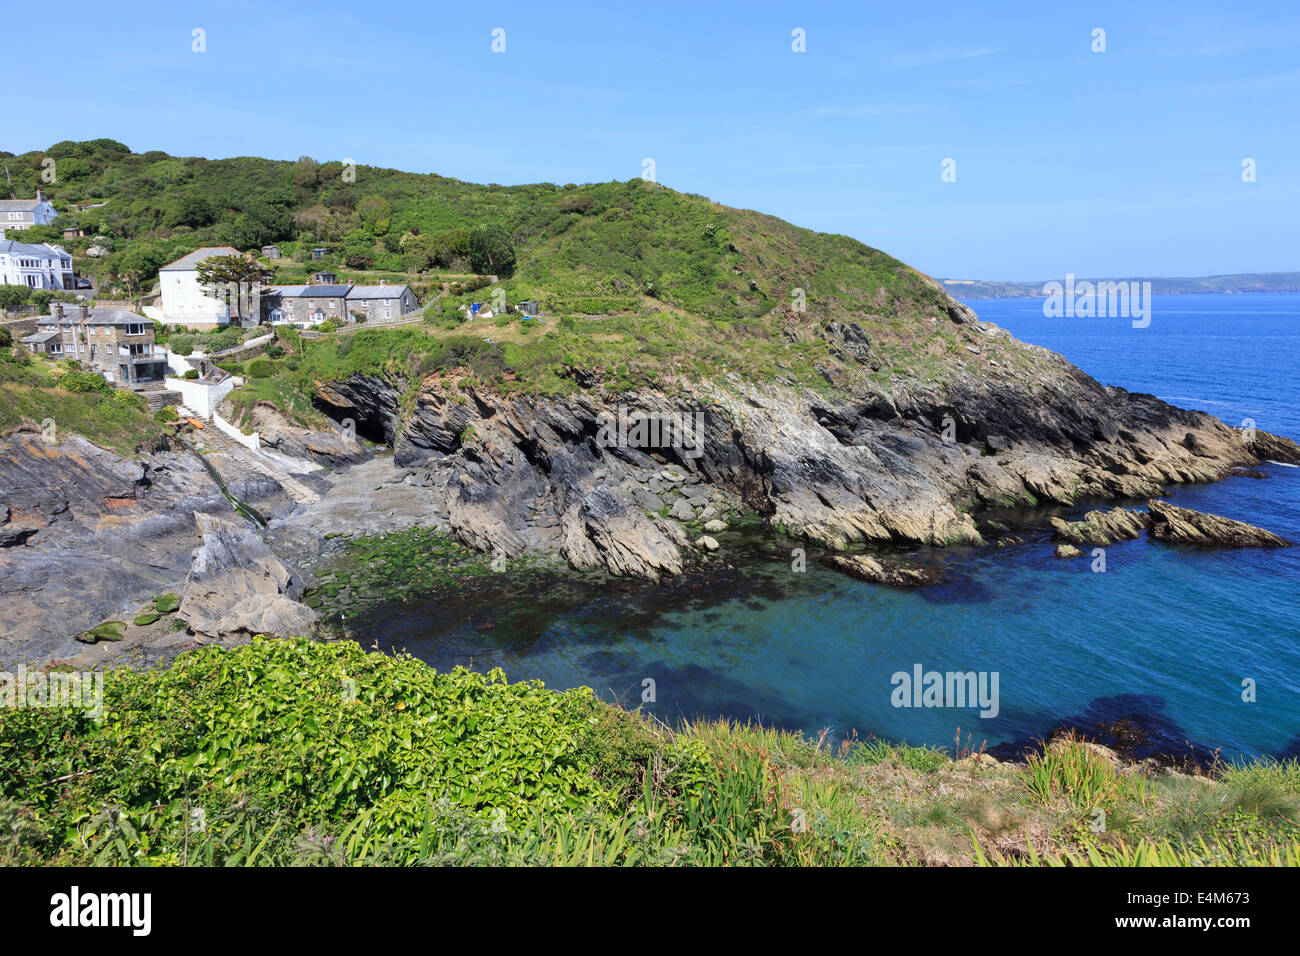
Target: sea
x=1185 y=652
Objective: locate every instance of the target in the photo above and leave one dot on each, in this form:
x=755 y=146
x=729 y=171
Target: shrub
x=124 y=396
x=261 y=368
x=181 y=344
x=83 y=382
x=275 y=351
x=166 y=414
x=191 y=374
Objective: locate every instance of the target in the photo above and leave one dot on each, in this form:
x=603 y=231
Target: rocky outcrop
x=896 y=574
x=93 y=535
x=331 y=448
x=1268 y=447
x=1067 y=551
x=238 y=587
x=906 y=466
x=1102 y=527
x=1184 y=526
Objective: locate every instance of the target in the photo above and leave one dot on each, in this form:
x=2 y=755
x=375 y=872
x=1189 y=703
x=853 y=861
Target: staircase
x=157 y=395
x=294 y=488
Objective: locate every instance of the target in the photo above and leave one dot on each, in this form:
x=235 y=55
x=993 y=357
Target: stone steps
x=294 y=488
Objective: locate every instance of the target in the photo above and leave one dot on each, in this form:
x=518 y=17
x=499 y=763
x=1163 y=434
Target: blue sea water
x=1165 y=636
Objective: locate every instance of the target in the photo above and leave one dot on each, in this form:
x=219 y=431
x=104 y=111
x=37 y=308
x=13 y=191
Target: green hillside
x=638 y=282
x=590 y=248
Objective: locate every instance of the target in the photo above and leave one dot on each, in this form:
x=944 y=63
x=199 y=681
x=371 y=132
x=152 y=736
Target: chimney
x=40 y=195
x=83 y=312
x=56 y=309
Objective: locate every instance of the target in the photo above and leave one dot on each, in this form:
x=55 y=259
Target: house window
x=388 y=313
x=133 y=329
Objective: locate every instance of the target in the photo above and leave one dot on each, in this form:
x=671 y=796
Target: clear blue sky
x=1118 y=163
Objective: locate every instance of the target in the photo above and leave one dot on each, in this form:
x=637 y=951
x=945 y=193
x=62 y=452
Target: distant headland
x=1243 y=283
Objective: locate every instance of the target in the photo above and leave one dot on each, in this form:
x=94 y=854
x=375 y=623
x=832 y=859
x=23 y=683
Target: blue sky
x=1118 y=163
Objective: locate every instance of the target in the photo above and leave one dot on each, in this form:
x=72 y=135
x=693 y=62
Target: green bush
x=124 y=396
x=166 y=414
x=83 y=382
x=322 y=731
x=261 y=368
x=191 y=374
x=181 y=344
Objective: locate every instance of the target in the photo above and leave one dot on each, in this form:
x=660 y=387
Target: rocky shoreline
x=88 y=536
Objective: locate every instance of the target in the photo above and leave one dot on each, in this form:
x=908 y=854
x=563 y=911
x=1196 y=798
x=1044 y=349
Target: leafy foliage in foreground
x=288 y=750
x=294 y=752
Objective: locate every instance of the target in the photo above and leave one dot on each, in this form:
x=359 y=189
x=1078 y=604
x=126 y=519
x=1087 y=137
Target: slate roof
x=378 y=291
x=188 y=262
x=40 y=338
x=72 y=317
x=19 y=205
x=325 y=292
x=15 y=248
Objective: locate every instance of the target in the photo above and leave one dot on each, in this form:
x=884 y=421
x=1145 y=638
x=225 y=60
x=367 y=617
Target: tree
x=261 y=224
x=12 y=296
x=138 y=264
x=236 y=280
x=193 y=211
x=376 y=214
x=490 y=250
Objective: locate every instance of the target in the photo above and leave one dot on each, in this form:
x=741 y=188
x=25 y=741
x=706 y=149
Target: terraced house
x=313 y=304
x=118 y=344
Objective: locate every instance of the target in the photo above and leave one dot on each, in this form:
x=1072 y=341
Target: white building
x=37 y=267
x=25 y=213
x=183 y=301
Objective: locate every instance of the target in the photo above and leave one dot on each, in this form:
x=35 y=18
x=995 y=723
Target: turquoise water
x=1164 y=637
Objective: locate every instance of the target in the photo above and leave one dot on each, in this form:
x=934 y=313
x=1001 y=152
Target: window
x=135 y=329
x=388 y=313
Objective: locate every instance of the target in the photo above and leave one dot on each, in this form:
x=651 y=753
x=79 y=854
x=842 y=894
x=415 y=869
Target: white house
x=183 y=301
x=25 y=213
x=37 y=267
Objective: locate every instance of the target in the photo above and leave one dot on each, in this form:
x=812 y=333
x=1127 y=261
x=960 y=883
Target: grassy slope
x=299 y=752
x=119 y=424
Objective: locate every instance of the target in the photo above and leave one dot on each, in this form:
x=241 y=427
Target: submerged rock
x=1102 y=527
x=1184 y=526
x=896 y=574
